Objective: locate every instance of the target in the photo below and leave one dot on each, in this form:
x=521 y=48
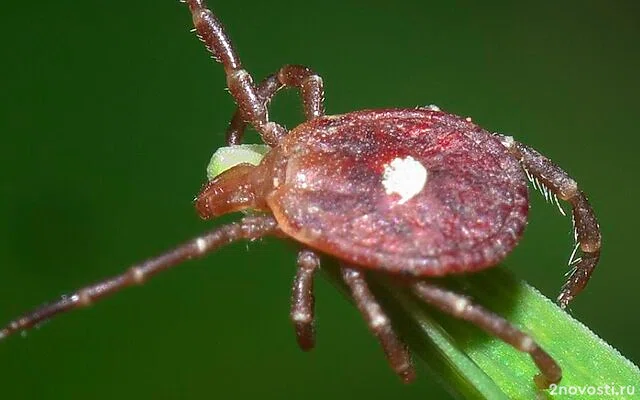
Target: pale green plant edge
x=471 y=364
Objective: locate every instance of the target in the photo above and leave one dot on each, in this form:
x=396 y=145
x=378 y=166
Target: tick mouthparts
x=230 y=191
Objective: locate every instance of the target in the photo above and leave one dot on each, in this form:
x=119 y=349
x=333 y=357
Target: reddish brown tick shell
x=469 y=215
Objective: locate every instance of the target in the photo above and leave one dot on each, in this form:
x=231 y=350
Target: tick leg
x=302 y=299
x=239 y=82
x=461 y=307
x=295 y=76
x=587 y=231
x=265 y=91
x=379 y=324
x=247 y=228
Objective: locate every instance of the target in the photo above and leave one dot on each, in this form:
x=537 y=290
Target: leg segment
x=247 y=228
x=310 y=85
x=587 y=231
x=461 y=307
x=265 y=91
x=379 y=324
x=302 y=300
x=297 y=76
x=239 y=82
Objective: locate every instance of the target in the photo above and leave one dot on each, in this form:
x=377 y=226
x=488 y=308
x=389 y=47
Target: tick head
x=230 y=187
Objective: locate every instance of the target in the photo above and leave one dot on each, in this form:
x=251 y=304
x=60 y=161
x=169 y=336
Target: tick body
x=459 y=203
x=417 y=193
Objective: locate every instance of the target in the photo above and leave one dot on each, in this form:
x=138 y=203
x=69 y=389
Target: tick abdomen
x=417 y=191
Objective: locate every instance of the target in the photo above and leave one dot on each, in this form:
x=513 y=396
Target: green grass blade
x=473 y=365
x=591 y=367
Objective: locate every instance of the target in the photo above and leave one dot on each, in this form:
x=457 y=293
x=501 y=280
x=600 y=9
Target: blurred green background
x=111 y=110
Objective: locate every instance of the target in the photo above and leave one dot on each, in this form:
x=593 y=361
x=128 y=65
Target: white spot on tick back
x=405 y=177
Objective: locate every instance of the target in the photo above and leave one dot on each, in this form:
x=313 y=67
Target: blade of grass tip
x=590 y=366
x=226 y=157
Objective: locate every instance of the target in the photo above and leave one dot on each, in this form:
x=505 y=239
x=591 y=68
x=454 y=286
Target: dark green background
x=111 y=110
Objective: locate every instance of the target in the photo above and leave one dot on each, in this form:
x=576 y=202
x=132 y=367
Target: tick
x=417 y=193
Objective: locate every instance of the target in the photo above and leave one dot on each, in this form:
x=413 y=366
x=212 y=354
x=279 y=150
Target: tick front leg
x=247 y=228
x=379 y=324
x=302 y=299
x=239 y=82
x=587 y=231
x=293 y=76
x=461 y=307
